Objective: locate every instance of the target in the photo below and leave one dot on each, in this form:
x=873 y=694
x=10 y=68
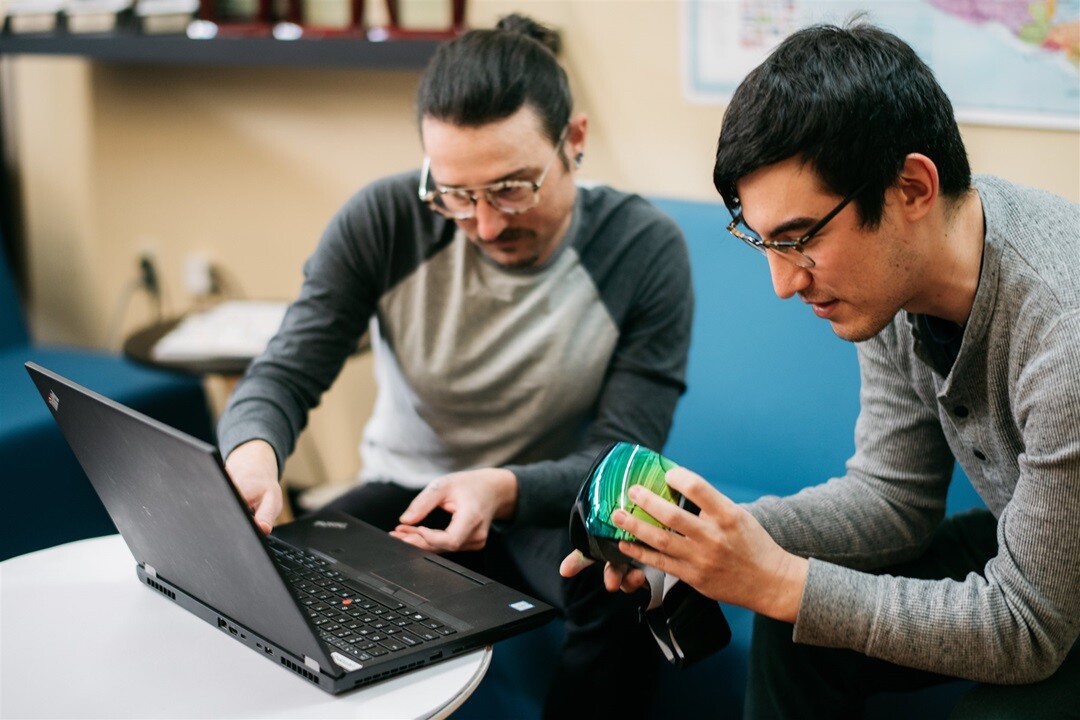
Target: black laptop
x=332 y=599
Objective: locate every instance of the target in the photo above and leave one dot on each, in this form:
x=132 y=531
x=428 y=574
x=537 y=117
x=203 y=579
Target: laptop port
x=437 y=655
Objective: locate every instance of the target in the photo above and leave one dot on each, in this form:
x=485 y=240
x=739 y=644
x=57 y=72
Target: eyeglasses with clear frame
x=510 y=197
x=790 y=250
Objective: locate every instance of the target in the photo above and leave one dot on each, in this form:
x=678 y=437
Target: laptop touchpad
x=426 y=578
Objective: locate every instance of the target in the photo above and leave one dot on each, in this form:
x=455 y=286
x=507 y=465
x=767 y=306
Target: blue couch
x=46 y=497
x=770 y=408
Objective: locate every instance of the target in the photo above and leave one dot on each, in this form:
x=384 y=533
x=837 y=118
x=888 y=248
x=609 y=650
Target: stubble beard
x=527 y=241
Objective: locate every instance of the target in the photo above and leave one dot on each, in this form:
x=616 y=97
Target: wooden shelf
x=345 y=52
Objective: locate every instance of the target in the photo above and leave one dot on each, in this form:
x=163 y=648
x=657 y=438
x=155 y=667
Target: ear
x=577 y=128
x=917 y=186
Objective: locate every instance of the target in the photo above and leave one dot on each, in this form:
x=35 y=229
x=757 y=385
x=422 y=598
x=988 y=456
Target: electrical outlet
x=199 y=276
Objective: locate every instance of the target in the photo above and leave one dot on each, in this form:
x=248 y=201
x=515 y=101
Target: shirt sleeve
x=1014 y=622
x=343 y=280
x=892 y=496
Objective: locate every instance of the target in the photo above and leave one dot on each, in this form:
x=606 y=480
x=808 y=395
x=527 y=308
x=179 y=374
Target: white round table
x=81 y=637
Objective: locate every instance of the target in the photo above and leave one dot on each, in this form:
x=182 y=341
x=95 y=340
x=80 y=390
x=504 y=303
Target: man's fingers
x=574 y=563
x=408 y=534
x=647 y=533
x=662 y=510
x=465 y=532
x=698 y=490
x=268 y=509
x=648 y=556
x=614 y=576
x=422 y=505
x=265 y=522
x=623 y=577
x=634 y=580
x=436 y=540
x=659 y=548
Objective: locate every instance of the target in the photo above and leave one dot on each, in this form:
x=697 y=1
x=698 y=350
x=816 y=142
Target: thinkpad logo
x=54 y=402
x=333 y=524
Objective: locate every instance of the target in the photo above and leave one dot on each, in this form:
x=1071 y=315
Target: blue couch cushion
x=105 y=373
x=12 y=324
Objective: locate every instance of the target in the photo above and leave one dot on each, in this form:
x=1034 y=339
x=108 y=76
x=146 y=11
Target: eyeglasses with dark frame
x=790 y=250
x=510 y=197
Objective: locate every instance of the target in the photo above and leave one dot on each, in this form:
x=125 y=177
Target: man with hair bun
x=519 y=324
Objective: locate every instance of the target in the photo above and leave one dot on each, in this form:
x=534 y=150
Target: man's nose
x=489 y=222
x=787 y=277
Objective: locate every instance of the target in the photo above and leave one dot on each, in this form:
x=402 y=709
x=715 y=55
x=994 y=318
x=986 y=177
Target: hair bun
x=522 y=25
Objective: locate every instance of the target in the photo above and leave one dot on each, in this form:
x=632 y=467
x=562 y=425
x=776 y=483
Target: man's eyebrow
x=519 y=174
x=797 y=223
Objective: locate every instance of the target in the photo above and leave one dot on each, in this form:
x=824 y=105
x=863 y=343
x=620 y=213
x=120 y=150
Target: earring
x=578 y=158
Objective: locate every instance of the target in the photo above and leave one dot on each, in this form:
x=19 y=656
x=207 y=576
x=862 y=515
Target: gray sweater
x=479 y=365
x=1009 y=413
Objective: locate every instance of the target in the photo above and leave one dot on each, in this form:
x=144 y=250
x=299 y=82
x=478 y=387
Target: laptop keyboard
x=362 y=623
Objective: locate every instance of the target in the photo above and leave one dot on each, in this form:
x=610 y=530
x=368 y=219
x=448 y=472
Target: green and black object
x=687 y=625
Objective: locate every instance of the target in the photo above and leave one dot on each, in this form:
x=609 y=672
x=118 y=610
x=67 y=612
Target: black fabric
x=604 y=638
x=688 y=625
x=940 y=340
x=1056 y=697
x=788 y=680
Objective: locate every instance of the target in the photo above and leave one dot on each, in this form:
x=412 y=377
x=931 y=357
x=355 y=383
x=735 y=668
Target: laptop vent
x=300 y=670
x=161 y=588
x=388 y=673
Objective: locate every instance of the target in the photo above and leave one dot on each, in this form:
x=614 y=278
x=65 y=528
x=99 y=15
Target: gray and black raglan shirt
x=478 y=365
x=1008 y=410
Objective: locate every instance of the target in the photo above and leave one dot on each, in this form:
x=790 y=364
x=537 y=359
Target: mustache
x=513 y=234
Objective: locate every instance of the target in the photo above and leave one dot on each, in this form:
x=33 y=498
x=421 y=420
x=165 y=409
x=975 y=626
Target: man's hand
x=253 y=470
x=723 y=553
x=474 y=498
x=616 y=577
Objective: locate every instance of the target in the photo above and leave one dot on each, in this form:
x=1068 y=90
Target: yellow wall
x=244 y=166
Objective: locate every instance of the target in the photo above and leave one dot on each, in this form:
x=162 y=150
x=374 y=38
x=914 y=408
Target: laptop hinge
x=313 y=664
x=150 y=570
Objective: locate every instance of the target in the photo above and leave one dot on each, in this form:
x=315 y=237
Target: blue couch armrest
x=47 y=497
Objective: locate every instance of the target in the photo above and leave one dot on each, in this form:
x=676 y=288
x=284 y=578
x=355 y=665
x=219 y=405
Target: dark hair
x=487 y=75
x=852 y=102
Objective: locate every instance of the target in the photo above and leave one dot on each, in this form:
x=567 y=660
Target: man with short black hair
x=840 y=160
x=519 y=323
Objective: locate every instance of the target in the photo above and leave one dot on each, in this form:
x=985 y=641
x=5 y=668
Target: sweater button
x=960 y=411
